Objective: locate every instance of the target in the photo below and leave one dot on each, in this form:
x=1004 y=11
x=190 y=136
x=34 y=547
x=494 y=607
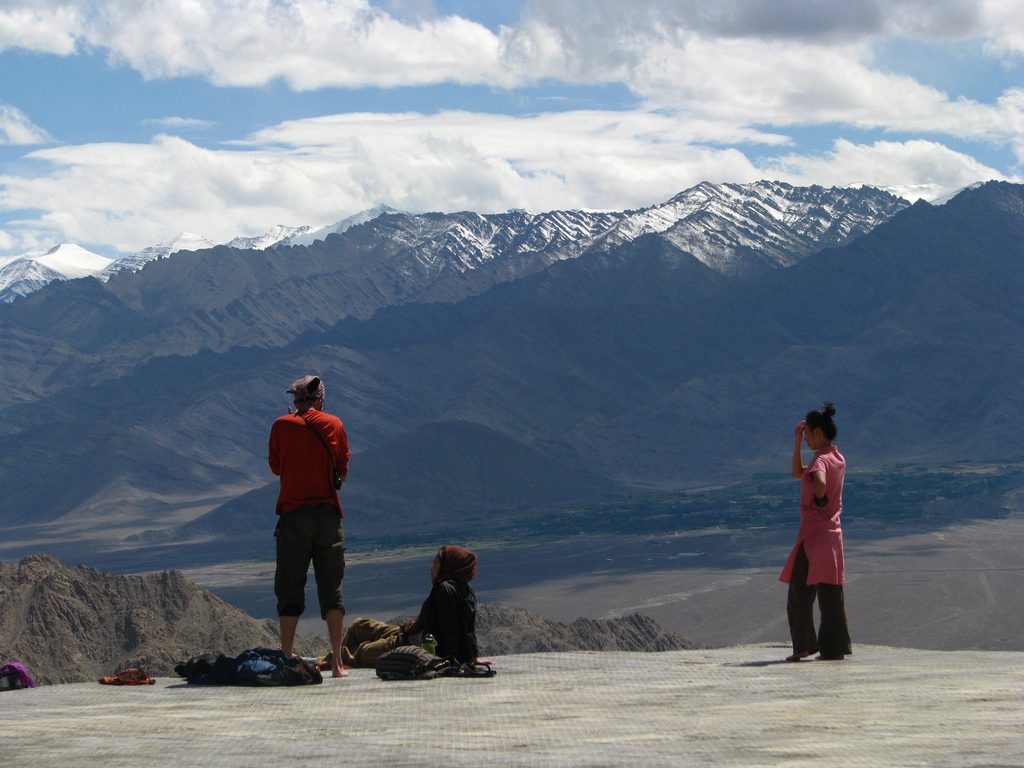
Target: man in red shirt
x=308 y=451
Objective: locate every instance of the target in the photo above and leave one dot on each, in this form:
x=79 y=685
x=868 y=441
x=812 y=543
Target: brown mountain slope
x=75 y=624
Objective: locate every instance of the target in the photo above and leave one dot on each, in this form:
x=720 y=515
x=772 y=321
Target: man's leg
x=329 y=569
x=290 y=575
x=288 y=627
x=335 y=619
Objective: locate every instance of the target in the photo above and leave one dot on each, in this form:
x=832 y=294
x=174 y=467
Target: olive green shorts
x=309 y=535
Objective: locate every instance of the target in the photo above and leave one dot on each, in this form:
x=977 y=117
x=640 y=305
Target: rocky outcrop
x=503 y=629
x=76 y=624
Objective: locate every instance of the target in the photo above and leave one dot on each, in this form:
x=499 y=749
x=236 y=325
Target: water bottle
x=429 y=644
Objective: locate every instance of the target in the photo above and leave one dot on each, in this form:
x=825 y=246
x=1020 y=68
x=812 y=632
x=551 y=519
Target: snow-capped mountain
x=279 y=235
x=186 y=241
x=740 y=228
x=270 y=238
x=732 y=228
x=310 y=235
x=22 y=275
x=946 y=198
x=513 y=243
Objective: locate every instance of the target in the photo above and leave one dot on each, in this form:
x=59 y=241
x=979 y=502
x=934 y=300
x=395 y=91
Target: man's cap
x=308 y=389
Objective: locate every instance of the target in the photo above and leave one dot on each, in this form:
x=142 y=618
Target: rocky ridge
x=77 y=624
x=185 y=241
x=503 y=630
x=739 y=229
x=733 y=228
x=206 y=298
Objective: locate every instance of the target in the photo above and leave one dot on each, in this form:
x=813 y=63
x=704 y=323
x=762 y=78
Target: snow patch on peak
x=736 y=228
x=73 y=261
x=269 y=238
x=942 y=200
x=186 y=241
x=312 y=235
x=25 y=274
x=189 y=241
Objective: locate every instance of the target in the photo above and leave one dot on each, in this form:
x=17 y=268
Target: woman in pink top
x=815 y=568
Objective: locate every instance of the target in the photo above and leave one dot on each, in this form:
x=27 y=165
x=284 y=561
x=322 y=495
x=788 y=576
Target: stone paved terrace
x=724 y=707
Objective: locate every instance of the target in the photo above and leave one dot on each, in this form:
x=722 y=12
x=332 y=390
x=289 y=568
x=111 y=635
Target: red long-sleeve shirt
x=302 y=463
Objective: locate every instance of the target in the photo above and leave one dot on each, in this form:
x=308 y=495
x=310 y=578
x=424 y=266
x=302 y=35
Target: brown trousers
x=367 y=640
x=832 y=639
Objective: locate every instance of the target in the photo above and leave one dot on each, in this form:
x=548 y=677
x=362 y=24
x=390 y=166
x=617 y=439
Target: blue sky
x=126 y=122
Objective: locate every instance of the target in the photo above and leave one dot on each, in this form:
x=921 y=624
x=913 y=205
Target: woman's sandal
x=477 y=669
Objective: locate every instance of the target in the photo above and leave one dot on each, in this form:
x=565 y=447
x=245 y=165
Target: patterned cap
x=308 y=389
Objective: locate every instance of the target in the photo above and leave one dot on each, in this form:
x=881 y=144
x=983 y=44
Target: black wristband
x=822 y=502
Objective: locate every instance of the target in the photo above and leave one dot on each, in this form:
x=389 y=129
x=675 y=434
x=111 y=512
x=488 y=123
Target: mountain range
x=483 y=363
x=27 y=273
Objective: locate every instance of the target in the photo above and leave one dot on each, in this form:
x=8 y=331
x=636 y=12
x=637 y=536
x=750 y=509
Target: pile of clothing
x=256 y=666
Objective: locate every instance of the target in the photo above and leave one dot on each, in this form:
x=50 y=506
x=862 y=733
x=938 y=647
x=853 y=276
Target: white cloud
x=1004 y=19
x=44 y=27
x=912 y=169
x=178 y=123
x=319 y=170
x=352 y=43
x=731 y=80
x=756 y=62
x=726 y=62
x=309 y=44
x=16 y=128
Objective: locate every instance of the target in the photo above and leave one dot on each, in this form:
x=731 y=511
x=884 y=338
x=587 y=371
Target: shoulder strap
x=323 y=442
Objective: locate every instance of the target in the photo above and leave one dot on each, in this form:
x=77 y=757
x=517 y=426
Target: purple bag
x=14 y=676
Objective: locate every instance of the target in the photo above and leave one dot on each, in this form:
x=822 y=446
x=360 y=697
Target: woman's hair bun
x=823 y=420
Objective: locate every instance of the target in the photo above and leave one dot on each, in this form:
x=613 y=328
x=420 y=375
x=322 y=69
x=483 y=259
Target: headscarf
x=308 y=389
x=457 y=563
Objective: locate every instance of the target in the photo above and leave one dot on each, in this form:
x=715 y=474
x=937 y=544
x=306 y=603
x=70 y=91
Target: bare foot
x=337 y=671
x=798 y=656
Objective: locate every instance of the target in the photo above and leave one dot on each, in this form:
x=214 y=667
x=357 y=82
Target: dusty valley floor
x=958 y=587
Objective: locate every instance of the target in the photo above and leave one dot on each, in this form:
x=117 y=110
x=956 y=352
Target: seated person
x=448 y=613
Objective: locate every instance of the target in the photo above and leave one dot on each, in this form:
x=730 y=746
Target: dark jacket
x=449 y=614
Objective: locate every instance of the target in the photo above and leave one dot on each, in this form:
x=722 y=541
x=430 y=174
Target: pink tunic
x=821 y=537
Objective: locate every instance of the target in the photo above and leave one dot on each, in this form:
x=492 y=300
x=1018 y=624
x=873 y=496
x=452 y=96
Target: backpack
x=268 y=666
x=410 y=662
x=208 y=668
x=14 y=676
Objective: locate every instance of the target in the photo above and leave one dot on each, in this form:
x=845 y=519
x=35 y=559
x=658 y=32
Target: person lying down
x=448 y=613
